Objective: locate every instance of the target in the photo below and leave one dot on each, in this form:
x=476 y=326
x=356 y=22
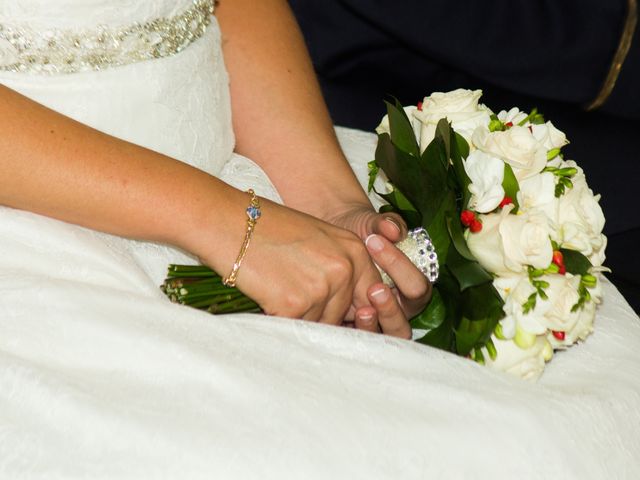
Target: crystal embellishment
x=420 y=250
x=51 y=52
x=253 y=213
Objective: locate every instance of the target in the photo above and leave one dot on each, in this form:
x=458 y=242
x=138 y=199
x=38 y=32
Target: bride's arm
x=282 y=123
x=279 y=116
x=297 y=266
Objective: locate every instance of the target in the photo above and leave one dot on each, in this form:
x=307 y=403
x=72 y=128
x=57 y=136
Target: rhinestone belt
x=72 y=51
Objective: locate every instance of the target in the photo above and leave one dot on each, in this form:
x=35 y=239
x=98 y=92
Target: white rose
x=516 y=146
x=526 y=363
x=460 y=107
x=549 y=136
x=580 y=217
x=508 y=243
x=486 y=174
x=513 y=116
x=537 y=193
x=581 y=329
x=598 y=256
x=415 y=124
x=562 y=293
x=515 y=291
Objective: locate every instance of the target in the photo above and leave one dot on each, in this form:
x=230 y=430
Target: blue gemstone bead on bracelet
x=253 y=212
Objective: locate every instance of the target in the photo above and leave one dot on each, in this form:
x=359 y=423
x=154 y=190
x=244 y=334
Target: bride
x=125 y=147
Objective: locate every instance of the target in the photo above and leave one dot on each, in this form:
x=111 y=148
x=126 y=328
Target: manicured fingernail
x=374 y=243
x=366 y=318
x=381 y=295
x=394 y=223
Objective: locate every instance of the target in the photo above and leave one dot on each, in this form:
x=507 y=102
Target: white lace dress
x=102 y=377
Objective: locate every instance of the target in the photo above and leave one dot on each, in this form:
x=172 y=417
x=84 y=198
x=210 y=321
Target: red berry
x=508 y=124
x=475 y=226
x=505 y=201
x=420 y=106
x=466 y=217
x=562 y=269
x=558 y=258
x=558 y=335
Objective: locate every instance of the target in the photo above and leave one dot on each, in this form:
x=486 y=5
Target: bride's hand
x=380 y=232
x=301 y=267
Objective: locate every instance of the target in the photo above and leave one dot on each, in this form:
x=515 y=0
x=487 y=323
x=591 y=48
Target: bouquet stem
x=200 y=287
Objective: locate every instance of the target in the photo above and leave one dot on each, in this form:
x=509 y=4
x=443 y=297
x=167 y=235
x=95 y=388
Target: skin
x=307 y=260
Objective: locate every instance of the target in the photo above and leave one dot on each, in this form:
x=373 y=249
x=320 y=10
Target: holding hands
x=302 y=267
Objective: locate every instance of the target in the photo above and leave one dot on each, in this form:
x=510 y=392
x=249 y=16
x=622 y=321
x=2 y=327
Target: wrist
x=212 y=225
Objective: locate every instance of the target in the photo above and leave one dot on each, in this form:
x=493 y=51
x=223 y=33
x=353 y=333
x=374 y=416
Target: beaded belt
x=71 y=51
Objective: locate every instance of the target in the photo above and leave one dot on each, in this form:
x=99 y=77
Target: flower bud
x=524 y=339
x=589 y=281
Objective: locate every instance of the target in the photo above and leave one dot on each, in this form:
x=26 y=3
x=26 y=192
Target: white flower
x=526 y=363
x=415 y=124
x=515 y=291
x=562 y=294
x=508 y=243
x=537 y=193
x=549 y=136
x=581 y=329
x=513 y=116
x=516 y=146
x=598 y=256
x=486 y=174
x=580 y=218
x=460 y=107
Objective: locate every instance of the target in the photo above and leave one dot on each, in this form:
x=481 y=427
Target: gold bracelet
x=618 y=59
x=253 y=212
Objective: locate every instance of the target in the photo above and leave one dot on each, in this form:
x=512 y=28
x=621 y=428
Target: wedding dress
x=102 y=377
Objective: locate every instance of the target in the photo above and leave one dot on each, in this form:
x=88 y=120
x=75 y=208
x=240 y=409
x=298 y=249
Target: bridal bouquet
x=516 y=228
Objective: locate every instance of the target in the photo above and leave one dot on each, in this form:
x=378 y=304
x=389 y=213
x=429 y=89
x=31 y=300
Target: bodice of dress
x=82 y=14
x=147 y=71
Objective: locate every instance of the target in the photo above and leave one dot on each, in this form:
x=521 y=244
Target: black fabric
x=545 y=54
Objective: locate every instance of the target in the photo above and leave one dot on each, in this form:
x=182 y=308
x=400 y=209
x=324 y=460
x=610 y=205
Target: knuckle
x=340 y=270
x=295 y=304
x=418 y=290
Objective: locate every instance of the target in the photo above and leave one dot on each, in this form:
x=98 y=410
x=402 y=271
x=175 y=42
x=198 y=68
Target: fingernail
x=374 y=243
x=381 y=295
x=394 y=223
x=366 y=318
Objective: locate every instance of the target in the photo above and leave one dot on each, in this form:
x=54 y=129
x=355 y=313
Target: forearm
x=280 y=118
x=52 y=165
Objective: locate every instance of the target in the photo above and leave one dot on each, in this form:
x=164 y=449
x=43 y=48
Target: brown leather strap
x=618 y=59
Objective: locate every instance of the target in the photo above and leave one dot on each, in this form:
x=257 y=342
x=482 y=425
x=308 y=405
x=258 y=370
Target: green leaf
x=402 y=134
x=468 y=273
x=404 y=172
x=459 y=151
x=373 y=173
x=462 y=145
x=443 y=336
x=575 y=262
x=443 y=131
x=433 y=168
x=481 y=312
x=511 y=186
x=454 y=228
x=437 y=227
x=400 y=204
x=432 y=316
